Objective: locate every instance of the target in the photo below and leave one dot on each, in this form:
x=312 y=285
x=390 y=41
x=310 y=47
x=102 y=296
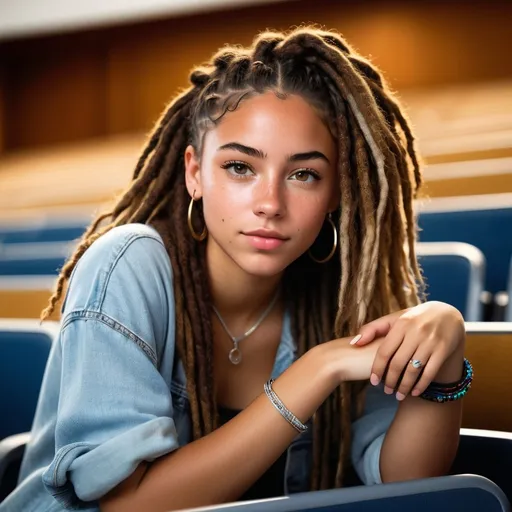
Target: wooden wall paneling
x=153 y=65
x=484 y=404
x=2 y=107
x=465 y=186
x=24 y=303
x=415 y=44
x=55 y=91
x=123 y=105
x=119 y=79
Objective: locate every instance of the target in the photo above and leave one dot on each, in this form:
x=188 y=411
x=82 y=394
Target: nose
x=269 y=200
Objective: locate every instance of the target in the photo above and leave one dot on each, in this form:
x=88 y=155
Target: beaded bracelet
x=441 y=393
x=285 y=412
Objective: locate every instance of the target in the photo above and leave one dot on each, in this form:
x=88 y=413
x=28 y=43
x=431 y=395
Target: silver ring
x=416 y=363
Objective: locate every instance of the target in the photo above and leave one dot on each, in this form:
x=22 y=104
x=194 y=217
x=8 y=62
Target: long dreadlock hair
x=375 y=269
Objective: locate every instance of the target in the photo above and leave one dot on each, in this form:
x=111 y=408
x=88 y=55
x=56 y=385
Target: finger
x=429 y=372
x=399 y=363
x=377 y=328
x=371 y=331
x=385 y=353
x=413 y=372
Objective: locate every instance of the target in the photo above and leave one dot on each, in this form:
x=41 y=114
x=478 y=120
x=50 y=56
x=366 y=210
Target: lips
x=265 y=239
x=265 y=233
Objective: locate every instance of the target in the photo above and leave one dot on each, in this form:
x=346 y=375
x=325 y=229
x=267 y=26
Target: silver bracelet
x=285 y=412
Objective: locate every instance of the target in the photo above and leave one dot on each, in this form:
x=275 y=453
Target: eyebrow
x=257 y=153
x=310 y=155
x=247 y=150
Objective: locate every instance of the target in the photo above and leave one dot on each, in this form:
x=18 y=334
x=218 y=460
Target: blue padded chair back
x=483 y=222
x=33 y=259
x=31 y=267
x=461 y=493
x=24 y=350
x=486 y=453
x=41 y=233
x=454 y=273
x=508 y=314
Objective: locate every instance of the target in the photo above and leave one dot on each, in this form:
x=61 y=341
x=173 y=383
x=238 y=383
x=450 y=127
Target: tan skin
x=278 y=192
x=273 y=193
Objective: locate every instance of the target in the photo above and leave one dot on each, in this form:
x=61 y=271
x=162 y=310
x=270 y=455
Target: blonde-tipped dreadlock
x=375 y=269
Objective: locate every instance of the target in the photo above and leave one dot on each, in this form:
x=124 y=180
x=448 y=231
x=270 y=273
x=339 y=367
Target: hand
x=432 y=333
x=345 y=362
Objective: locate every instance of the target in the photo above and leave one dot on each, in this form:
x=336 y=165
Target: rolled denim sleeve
x=115 y=409
x=368 y=434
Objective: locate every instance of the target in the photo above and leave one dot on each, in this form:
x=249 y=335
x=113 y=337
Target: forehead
x=274 y=125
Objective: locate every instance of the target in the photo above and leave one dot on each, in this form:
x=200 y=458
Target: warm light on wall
x=21 y=19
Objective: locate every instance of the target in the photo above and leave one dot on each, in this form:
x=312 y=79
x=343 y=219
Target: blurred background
x=82 y=84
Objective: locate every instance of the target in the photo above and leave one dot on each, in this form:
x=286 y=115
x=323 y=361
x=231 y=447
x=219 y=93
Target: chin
x=263 y=265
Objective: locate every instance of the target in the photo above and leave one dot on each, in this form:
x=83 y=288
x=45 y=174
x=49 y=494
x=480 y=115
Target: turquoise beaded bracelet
x=441 y=393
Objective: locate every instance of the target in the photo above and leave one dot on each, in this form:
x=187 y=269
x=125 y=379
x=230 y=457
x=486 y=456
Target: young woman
x=218 y=334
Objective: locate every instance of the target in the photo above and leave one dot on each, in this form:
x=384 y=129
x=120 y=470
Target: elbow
x=124 y=496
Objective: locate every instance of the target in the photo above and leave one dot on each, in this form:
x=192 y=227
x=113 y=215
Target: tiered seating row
x=25 y=345
x=465 y=250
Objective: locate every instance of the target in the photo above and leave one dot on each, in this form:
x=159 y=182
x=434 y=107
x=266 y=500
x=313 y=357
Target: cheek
x=308 y=221
x=223 y=200
x=219 y=209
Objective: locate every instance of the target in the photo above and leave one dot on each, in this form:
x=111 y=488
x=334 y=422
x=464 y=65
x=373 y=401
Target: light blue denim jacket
x=114 y=391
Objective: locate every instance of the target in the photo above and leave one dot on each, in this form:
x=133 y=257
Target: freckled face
x=267 y=177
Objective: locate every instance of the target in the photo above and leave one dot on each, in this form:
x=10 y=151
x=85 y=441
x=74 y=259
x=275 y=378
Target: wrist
x=326 y=365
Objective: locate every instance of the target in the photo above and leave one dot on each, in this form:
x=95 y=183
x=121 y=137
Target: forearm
x=221 y=466
x=423 y=438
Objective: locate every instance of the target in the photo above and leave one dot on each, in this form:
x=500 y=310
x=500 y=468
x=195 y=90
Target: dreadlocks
x=375 y=269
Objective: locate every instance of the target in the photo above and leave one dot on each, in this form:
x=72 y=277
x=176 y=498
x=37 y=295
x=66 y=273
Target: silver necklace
x=235 y=355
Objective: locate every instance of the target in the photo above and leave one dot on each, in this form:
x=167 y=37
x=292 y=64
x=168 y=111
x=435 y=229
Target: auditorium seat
x=30 y=266
x=46 y=231
x=24 y=349
x=508 y=314
x=486 y=453
x=12 y=449
x=454 y=273
x=489 y=348
x=483 y=221
x=34 y=259
x=25 y=296
x=461 y=493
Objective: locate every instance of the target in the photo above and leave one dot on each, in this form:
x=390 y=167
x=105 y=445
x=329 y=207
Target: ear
x=193 y=173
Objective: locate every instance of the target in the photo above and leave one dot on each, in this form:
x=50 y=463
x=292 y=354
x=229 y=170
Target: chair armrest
x=487 y=453
x=500 y=307
x=11 y=450
x=476 y=432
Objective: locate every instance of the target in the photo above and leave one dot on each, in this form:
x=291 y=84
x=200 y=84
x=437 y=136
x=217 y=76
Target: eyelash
x=232 y=163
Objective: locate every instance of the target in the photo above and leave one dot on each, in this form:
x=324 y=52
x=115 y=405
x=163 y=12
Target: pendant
x=235 y=355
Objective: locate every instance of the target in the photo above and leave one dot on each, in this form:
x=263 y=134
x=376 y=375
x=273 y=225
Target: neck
x=234 y=292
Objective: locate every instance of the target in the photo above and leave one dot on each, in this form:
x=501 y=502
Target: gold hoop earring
x=334 y=245
x=199 y=237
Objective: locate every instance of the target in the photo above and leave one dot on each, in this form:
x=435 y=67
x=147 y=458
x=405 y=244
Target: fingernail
x=388 y=390
x=400 y=396
x=356 y=339
x=415 y=392
x=374 y=379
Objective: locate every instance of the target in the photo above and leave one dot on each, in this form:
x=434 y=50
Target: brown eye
x=237 y=169
x=302 y=176
x=305 y=176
